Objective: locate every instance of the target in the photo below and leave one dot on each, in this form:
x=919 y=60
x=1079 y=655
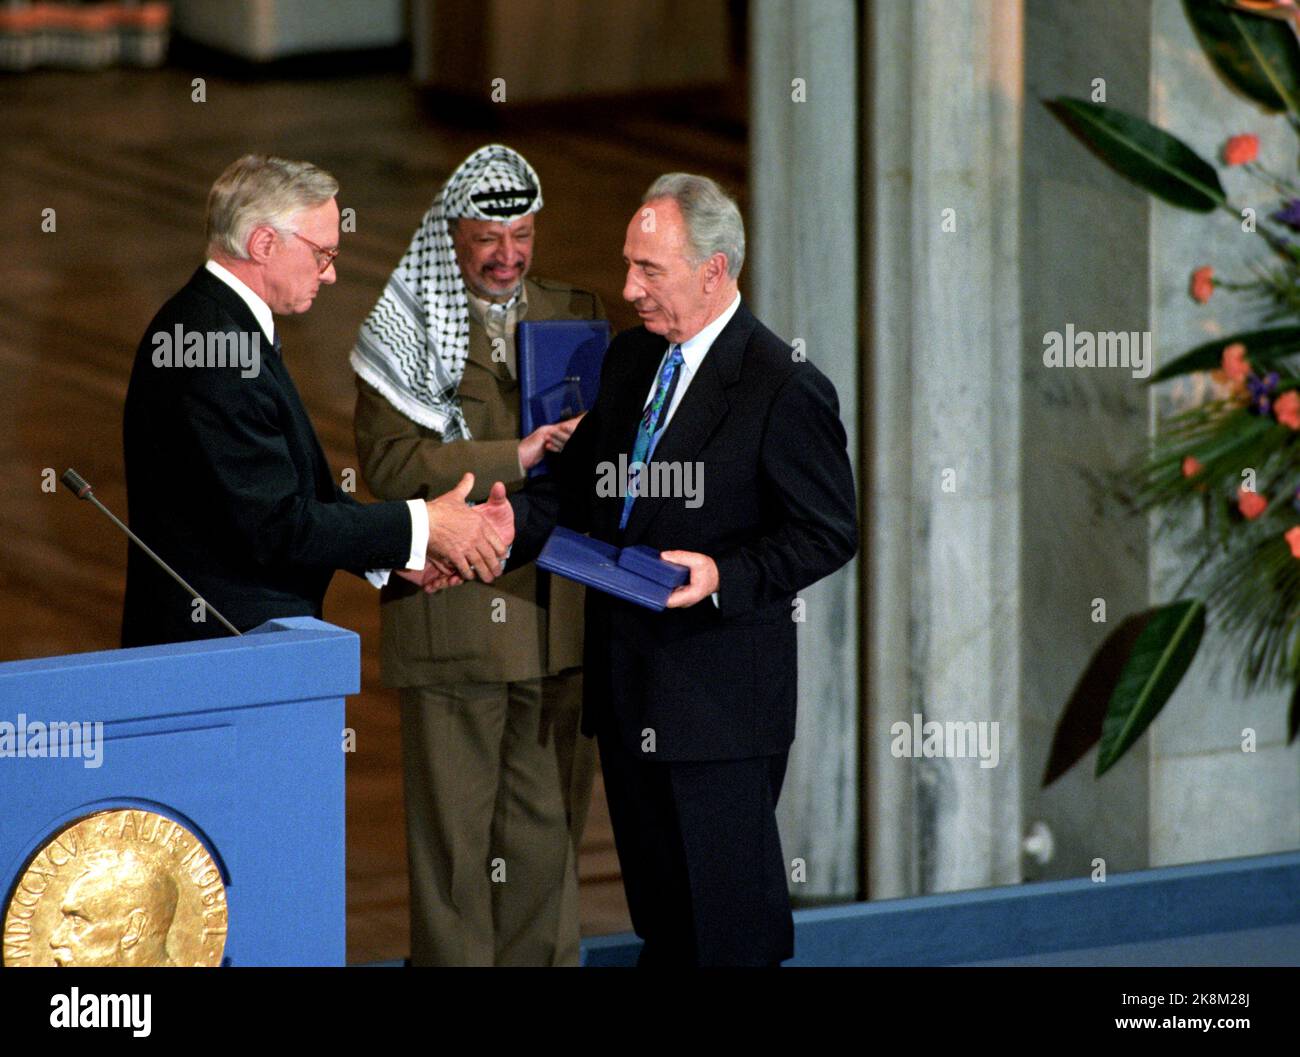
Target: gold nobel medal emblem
x=124 y=887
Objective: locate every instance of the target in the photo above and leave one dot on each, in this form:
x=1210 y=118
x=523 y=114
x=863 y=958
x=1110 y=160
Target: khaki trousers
x=498 y=781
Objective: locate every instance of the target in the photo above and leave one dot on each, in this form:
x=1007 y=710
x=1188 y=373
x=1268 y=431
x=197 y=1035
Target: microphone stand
x=80 y=487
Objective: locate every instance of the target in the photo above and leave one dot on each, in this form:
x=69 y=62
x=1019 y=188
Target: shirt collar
x=261 y=311
x=694 y=348
x=480 y=307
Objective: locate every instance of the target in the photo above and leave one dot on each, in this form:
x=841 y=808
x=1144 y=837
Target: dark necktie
x=652 y=423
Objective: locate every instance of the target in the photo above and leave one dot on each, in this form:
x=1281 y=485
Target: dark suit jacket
x=778 y=514
x=227 y=482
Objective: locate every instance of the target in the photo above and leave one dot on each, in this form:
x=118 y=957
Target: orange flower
x=1190 y=466
x=1251 y=504
x=1293 y=538
x=1203 y=283
x=1235 y=367
x=1287 y=409
x=1241 y=149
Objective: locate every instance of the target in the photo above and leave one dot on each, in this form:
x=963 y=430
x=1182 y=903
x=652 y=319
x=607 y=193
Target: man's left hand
x=703 y=581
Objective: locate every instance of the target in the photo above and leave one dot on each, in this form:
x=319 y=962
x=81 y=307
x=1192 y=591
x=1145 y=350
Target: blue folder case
x=634 y=574
x=559 y=370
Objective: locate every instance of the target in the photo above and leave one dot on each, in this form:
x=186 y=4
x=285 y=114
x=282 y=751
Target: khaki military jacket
x=526 y=623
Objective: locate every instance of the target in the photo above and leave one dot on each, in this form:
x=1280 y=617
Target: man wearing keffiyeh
x=497 y=776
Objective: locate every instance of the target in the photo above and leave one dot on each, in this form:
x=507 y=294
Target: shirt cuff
x=419 y=544
x=419 y=533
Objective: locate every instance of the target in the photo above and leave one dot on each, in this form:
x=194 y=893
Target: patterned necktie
x=647 y=434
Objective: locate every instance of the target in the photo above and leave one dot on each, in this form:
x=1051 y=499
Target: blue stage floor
x=1277 y=945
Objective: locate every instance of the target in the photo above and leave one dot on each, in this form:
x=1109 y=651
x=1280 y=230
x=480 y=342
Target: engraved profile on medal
x=120 y=888
x=117 y=912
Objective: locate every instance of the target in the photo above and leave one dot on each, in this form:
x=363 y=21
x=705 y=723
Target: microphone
x=80 y=487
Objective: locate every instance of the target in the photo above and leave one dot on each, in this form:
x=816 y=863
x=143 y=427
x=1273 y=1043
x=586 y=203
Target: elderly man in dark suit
x=694 y=707
x=225 y=477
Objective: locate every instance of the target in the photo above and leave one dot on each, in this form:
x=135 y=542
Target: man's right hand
x=459 y=535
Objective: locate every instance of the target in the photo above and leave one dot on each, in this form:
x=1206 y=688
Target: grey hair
x=259 y=189
x=713 y=222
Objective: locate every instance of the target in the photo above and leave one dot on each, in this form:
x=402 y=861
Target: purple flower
x=1289 y=214
x=1260 y=391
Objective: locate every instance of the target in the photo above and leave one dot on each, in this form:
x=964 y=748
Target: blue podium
x=236 y=743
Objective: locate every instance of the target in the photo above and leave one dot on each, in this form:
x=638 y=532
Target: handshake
x=465 y=542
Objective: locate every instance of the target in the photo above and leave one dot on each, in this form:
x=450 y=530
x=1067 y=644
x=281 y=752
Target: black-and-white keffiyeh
x=412 y=346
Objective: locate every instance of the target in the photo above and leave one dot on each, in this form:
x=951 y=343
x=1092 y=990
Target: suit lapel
x=273 y=363
x=305 y=428
x=698 y=416
x=624 y=418
x=633 y=398
x=204 y=281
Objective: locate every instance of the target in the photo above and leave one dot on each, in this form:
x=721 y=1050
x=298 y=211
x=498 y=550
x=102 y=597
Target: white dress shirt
x=693 y=352
x=260 y=309
x=266 y=320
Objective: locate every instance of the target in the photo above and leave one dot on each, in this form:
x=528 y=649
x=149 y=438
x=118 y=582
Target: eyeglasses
x=320 y=251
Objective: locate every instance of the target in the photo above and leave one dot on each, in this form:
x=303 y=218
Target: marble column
x=943 y=358
x=804 y=244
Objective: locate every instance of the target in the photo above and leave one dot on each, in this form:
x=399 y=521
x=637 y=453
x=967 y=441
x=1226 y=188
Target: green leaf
x=1263 y=348
x=1160 y=658
x=1257 y=55
x=1079 y=727
x=1146 y=155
